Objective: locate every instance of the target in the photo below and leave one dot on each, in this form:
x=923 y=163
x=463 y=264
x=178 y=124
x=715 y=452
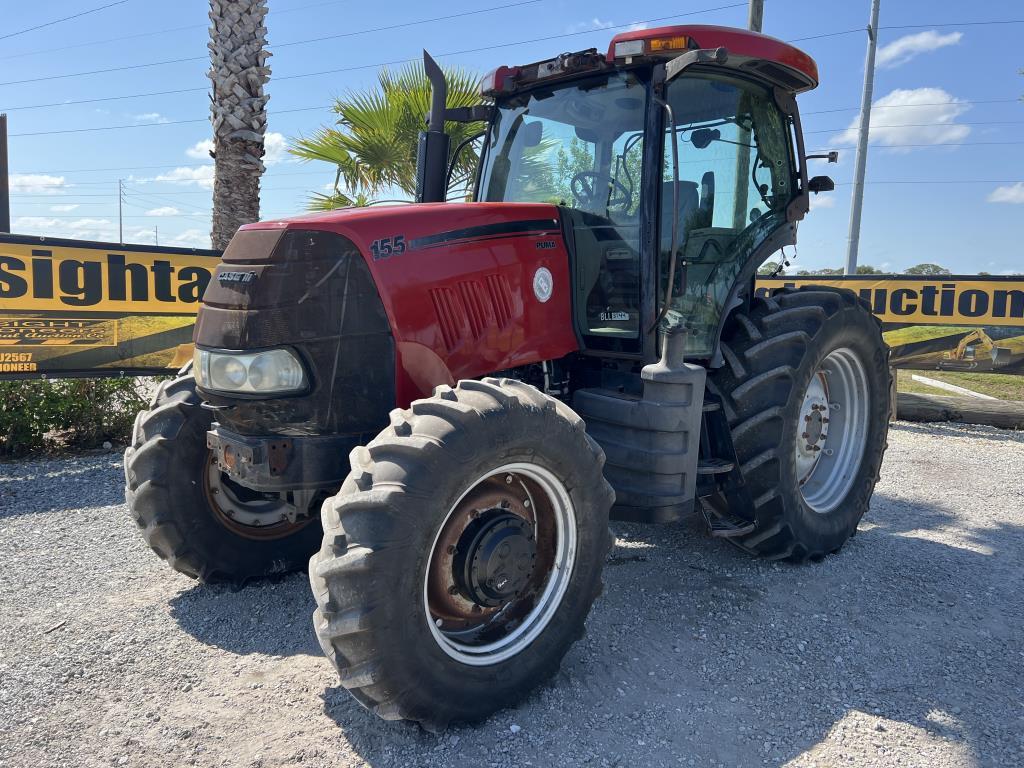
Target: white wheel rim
x=558 y=578
x=832 y=430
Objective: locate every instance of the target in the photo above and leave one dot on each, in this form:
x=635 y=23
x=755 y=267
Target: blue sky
x=947 y=82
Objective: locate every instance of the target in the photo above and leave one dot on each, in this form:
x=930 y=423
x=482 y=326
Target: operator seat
x=689 y=202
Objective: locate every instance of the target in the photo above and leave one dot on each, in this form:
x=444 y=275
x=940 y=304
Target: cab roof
x=768 y=56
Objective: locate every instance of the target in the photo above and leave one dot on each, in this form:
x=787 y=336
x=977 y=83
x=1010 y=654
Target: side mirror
x=820 y=184
x=702 y=137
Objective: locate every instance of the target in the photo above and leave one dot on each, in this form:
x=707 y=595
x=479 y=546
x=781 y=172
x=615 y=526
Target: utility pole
x=156 y=235
x=120 y=211
x=860 y=165
x=5 y=190
x=755 y=16
x=740 y=213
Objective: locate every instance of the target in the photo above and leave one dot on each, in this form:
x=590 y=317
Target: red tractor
x=445 y=401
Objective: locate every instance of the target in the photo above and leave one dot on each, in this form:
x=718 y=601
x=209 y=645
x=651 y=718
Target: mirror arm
x=681 y=63
x=479 y=113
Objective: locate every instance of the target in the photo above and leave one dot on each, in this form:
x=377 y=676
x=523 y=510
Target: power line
x=400 y=61
x=273 y=14
x=924 y=125
x=58 y=21
x=105 y=71
x=280 y=45
x=922 y=104
x=955 y=24
x=460 y=15
x=952 y=144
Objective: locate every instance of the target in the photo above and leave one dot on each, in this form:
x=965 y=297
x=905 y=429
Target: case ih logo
x=226 y=278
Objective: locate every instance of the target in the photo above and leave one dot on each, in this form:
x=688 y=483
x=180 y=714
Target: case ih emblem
x=226 y=278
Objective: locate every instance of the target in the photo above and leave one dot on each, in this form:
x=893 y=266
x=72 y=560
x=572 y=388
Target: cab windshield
x=577 y=145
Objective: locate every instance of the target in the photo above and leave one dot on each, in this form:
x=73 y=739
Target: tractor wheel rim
x=500 y=564
x=260 y=519
x=832 y=430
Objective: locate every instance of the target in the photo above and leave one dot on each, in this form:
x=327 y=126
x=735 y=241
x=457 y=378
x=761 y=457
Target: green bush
x=68 y=413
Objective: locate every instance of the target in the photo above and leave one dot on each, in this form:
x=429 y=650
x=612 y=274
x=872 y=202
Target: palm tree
x=238 y=111
x=373 y=147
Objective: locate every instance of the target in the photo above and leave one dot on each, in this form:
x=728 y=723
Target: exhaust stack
x=432 y=149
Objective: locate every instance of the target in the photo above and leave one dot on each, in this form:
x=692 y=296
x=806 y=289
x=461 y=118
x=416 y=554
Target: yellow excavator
x=966 y=357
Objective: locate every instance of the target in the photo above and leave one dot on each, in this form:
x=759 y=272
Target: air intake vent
x=466 y=311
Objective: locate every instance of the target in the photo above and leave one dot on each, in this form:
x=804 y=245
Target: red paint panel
x=461 y=302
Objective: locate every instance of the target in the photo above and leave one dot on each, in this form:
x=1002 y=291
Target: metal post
x=860 y=165
x=120 y=213
x=156 y=235
x=755 y=16
x=5 y=190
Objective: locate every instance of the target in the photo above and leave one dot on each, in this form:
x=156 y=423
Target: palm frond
x=373 y=147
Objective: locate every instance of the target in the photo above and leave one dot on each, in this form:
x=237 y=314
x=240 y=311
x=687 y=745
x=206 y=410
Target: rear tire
x=168 y=483
x=388 y=603
x=784 y=354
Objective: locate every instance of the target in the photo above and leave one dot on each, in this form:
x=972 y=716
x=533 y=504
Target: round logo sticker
x=543 y=284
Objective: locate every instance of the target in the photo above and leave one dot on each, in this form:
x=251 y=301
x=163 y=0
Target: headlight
x=276 y=370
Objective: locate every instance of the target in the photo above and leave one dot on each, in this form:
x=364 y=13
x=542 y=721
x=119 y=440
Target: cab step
x=723 y=525
x=715 y=467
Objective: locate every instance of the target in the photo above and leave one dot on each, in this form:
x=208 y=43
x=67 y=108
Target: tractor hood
x=462 y=290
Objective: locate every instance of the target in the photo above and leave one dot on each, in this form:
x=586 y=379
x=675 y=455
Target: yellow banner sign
x=75 y=307
x=43 y=274
x=922 y=301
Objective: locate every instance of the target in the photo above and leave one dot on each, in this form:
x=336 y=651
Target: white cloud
x=637 y=26
x=905 y=48
x=150 y=117
x=104 y=230
x=203 y=176
x=274 y=143
x=276 y=147
x=36 y=183
x=584 y=26
x=201 y=149
x=164 y=210
x=63 y=208
x=1014 y=193
x=191 y=238
x=922 y=116
x=823 y=200
x=85 y=228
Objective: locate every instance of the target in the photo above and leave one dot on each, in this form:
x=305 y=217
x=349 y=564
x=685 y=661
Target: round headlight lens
x=227 y=373
x=276 y=370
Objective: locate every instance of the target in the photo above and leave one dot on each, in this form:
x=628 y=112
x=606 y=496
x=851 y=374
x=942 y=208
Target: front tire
x=462 y=554
x=806 y=390
x=192 y=515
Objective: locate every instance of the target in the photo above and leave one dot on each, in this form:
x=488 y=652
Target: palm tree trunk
x=238 y=111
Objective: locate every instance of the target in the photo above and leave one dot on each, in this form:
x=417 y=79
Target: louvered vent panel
x=501 y=298
x=467 y=311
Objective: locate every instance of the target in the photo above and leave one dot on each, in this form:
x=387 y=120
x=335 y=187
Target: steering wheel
x=589 y=187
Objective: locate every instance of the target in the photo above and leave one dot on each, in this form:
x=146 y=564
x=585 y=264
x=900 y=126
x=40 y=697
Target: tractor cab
x=677 y=164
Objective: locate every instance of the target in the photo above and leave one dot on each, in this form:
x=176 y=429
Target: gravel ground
x=905 y=649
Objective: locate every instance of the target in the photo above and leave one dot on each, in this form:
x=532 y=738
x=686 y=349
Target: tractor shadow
x=697 y=652
x=270 y=617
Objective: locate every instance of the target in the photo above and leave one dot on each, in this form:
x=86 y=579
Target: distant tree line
x=925 y=269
